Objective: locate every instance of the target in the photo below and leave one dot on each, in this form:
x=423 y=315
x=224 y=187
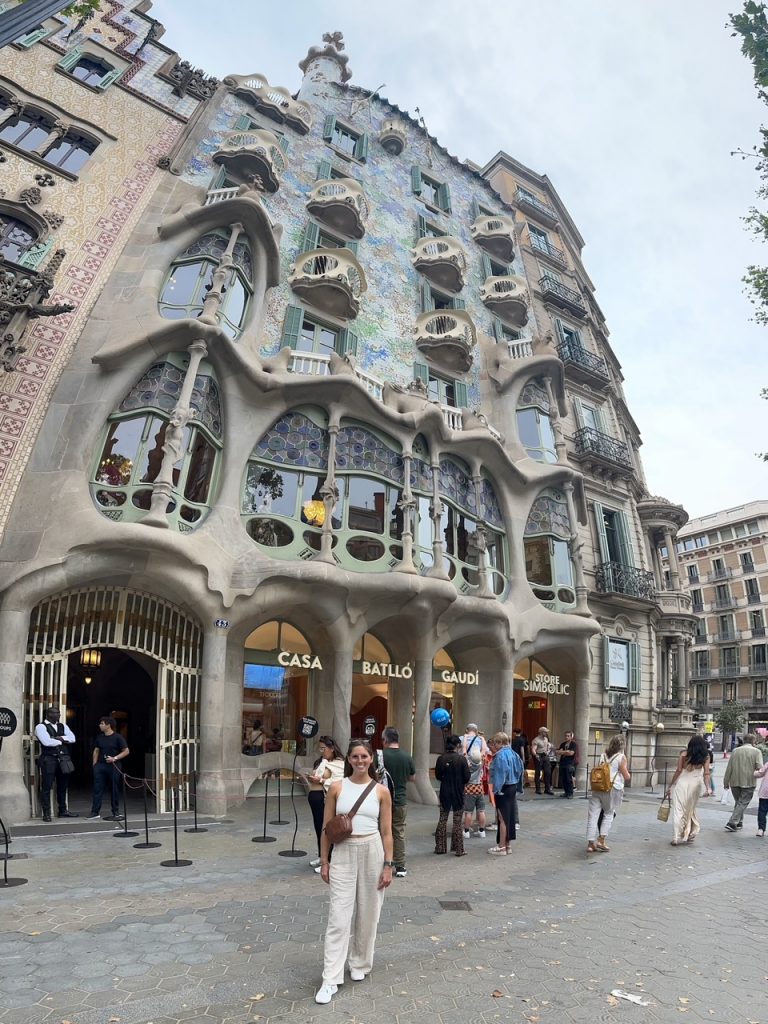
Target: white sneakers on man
x=356 y=974
x=326 y=993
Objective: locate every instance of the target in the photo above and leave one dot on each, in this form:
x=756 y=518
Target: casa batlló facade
x=330 y=425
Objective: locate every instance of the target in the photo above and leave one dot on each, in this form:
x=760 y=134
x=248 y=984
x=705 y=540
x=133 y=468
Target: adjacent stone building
x=334 y=428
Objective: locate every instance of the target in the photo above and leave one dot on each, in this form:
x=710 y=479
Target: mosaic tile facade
x=391 y=305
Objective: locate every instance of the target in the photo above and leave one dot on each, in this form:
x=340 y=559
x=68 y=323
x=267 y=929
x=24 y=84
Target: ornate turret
x=324 y=65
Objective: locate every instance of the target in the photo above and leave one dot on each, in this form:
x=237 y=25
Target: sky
x=632 y=107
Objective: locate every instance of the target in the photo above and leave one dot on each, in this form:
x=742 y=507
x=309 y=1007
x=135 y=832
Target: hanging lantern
x=90 y=658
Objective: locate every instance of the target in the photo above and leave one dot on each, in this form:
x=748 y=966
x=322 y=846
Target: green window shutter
x=328 y=127
x=602 y=537
x=294 y=316
x=110 y=78
x=69 y=60
x=600 y=419
x=421 y=227
x=460 y=393
x=324 y=170
x=242 y=123
x=622 y=528
x=425 y=297
x=475 y=209
x=421 y=372
x=31 y=37
x=361 y=148
x=311 y=235
x=33 y=257
x=444 y=198
x=282 y=143
x=487 y=268
x=634 y=668
x=579 y=410
x=217 y=181
x=458 y=304
x=606 y=664
x=352 y=246
x=498 y=329
x=416 y=180
x=347 y=342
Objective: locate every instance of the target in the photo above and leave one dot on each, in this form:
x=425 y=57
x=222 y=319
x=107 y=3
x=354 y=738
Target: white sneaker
x=467 y=833
x=480 y=833
x=517 y=827
x=317 y=870
x=315 y=863
x=356 y=974
x=326 y=993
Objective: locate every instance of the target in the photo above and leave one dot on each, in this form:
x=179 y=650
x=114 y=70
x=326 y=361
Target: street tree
x=731 y=718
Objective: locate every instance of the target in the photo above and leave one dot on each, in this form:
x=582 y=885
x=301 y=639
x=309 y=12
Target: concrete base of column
x=14 y=799
x=421 y=790
x=218 y=791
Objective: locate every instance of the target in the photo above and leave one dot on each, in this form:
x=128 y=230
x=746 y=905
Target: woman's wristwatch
x=389 y=863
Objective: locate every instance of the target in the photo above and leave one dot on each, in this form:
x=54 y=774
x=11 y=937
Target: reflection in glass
x=270 y=490
x=119 y=452
x=272 y=533
x=365 y=549
x=536 y=435
x=200 y=469
x=366 y=505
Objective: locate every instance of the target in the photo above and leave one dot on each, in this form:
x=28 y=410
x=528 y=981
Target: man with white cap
x=474 y=748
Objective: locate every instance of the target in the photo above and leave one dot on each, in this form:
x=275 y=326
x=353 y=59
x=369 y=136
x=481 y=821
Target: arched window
x=534 y=426
x=191 y=276
x=132 y=452
x=70 y=153
x=547 y=553
x=91 y=71
x=26 y=131
x=16 y=238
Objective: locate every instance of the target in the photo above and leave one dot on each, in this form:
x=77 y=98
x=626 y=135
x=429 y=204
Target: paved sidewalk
x=103 y=934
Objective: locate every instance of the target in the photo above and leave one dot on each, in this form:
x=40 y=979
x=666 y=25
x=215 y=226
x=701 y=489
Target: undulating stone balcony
x=615 y=578
x=496 y=235
x=340 y=204
x=602 y=450
x=393 y=136
x=273 y=100
x=448 y=336
x=507 y=298
x=331 y=280
x=441 y=261
x=252 y=153
x=583 y=366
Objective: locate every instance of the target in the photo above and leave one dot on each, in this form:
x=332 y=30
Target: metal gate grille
x=130 y=621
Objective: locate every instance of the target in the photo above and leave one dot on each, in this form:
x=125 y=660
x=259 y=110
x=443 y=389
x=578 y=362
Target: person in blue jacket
x=505 y=773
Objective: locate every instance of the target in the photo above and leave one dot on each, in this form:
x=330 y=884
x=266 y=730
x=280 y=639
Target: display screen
x=263 y=677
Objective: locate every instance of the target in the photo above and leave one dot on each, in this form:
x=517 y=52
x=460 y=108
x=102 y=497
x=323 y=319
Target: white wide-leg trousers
x=355 y=907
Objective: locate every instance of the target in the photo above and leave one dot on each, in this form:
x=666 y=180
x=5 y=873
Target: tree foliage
x=80 y=8
x=731 y=718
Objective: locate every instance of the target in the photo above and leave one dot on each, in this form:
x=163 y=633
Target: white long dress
x=685 y=797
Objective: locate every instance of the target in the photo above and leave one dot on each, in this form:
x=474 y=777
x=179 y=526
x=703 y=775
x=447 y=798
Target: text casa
x=289 y=660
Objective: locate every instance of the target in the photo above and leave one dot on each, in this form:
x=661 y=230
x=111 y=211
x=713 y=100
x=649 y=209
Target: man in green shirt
x=401 y=770
x=740 y=779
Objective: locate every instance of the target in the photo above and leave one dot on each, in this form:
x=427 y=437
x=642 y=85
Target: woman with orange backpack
x=607 y=780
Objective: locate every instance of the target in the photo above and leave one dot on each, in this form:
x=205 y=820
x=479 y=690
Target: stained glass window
x=360 y=449
x=160 y=388
x=490 y=510
x=456 y=485
x=549 y=514
x=294 y=440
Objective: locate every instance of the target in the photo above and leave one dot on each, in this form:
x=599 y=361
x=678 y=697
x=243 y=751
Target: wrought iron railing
x=700 y=638
x=724 y=602
x=754 y=598
x=615 y=578
x=528 y=199
x=758 y=631
x=545 y=246
x=747 y=565
x=593 y=442
x=721 y=573
x=570 y=353
x=728 y=635
x=551 y=286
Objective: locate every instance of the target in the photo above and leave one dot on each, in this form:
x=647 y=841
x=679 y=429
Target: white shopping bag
x=727 y=798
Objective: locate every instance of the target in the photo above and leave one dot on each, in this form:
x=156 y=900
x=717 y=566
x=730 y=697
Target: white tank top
x=366 y=821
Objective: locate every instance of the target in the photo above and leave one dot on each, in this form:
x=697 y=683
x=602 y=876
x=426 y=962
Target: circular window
x=110 y=499
x=270 y=532
x=545 y=595
x=566 y=596
x=312 y=539
x=365 y=549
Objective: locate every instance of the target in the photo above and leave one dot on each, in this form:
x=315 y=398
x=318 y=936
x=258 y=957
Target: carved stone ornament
x=54 y=219
x=32 y=196
x=164 y=162
x=9 y=353
x=189 y=81
x=3 y=157
x=334 y=44
x=45 y=180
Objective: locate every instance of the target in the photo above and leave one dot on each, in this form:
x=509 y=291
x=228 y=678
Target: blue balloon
x=440 y=718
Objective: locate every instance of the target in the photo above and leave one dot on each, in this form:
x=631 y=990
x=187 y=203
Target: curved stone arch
x=19 y=210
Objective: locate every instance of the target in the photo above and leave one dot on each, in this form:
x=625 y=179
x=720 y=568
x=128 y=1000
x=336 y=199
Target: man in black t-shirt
x=109 y=748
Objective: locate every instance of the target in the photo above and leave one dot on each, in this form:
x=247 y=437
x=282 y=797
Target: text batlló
x=547 y=684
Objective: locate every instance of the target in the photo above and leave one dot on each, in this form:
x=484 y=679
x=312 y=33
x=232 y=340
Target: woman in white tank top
x=361 y=871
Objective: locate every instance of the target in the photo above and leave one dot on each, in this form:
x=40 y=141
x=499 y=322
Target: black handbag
x=66 y=764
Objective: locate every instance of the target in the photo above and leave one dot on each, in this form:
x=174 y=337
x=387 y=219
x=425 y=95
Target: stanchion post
x=8 y=883
x=146 y=845
x=293 y=852
x=586 y=783
x=279 y=819
x=125 y=834
x=264 y=838
x=194 y=798
x=175 y=863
